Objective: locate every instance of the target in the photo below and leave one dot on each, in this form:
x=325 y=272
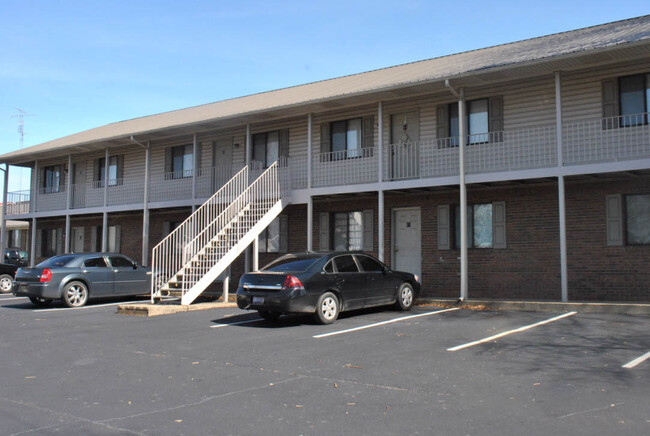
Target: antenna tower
x=21 y=124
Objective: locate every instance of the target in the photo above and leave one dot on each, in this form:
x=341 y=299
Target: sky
x=75 y=65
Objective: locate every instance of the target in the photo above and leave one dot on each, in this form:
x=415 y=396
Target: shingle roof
x=575 y=42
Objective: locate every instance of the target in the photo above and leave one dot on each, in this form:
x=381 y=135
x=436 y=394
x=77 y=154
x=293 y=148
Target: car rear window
x=293 y=265
x=56 y=261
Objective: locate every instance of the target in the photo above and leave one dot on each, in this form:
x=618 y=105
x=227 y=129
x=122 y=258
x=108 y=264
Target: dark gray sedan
x=74 y=278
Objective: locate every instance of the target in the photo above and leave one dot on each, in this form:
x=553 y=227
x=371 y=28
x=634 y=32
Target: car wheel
x=327 y=308
x=269 y=315
x=405 y=296
x=40 y=302
x=6 y=283
x=75 y=294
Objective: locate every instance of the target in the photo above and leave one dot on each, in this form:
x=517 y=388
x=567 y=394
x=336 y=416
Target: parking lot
x=226 y=371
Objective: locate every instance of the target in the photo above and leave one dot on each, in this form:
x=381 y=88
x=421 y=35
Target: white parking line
x=631 y=364
x=89 y=307
x=404 y=318
x=235 y=323
x=15 y=298
x=509 y=332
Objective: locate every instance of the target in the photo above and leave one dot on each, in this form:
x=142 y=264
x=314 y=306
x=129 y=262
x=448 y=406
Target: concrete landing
x=149 y=309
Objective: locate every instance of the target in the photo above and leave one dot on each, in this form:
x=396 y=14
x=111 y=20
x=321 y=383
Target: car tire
x=6 y=283
x=327 y=308
x=405 y=297
x=75 y=294
x=269 y=315
x=40 y=302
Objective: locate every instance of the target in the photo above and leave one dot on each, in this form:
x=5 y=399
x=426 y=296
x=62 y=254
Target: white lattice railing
x=18 y=202
x=171 y=254
x=345 y=167
x=605 y=140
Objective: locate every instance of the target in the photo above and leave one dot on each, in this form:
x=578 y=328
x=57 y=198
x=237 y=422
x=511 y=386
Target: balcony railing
x=584 y=142
x=606 y=140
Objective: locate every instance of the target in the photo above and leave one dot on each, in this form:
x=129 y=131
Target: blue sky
x=76 y=65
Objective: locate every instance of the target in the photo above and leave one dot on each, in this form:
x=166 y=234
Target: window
x=479 y=226
x=269 y=239
x=112 y=171
x=52 y=179
x=368 y=264
x=634 y=99
x=114 y=236
x=182 y=161
x=266 y=148
x=638 y=219
x=48 y=242
x=95 y=262
x=346 y=139
x=345 y=264
x=348 y=231
x=329 y=268
x=476 y=120
x=120 y=262
x=15 y=238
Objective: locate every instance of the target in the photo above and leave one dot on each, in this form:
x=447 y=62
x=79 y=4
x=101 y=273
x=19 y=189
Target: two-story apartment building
x=545 y=142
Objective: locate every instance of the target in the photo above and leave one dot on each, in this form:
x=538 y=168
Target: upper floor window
x=346 y=139
x=266 y=148
x=634 y=98
x=476 y=120
x=182 y=161
x=115 y=171
x=52 y=180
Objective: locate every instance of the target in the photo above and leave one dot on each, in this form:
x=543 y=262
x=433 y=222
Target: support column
x=247 y=251
x=463 y=196
x=145 y=209
x=3 y=236
x=380 y=142
x=105 y=231
x=310 y=145
x=256 y=254
x=380 y=226
x=32 y=250
x=106 y=159
x=310 y=224
x=195 y=169
x=34 y=188
x=560 y=186
x=68 y=205
x=226 y=286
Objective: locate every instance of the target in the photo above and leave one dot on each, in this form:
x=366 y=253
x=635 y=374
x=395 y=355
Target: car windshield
x=290 y=264
x=23 y=255
x=56 y=261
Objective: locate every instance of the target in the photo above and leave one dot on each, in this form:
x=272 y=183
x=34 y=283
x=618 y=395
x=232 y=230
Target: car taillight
x=292 y=282
x=46 y=275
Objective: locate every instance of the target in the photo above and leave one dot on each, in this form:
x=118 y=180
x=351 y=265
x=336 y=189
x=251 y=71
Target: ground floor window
x=348 y=231
x=638 y=219
x=113 y=242
x=479 y=226
x=269 y=239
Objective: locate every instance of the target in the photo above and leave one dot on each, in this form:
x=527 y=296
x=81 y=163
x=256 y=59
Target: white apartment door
x=77 y=239
x=78 y=185
x=222 y=162
x=405 y=150
x=407 y=248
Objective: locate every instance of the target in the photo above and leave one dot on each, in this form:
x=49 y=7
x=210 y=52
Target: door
x=98 y=275
x=127 y=280
x=222 y=163
x=77 y=239
x=351 y=281
x=380 y=286
x=407 y=250
x=79 y=185
x=405 y=150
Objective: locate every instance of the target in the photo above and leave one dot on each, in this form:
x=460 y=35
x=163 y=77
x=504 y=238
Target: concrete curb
x=149 y=309
x=541 y=306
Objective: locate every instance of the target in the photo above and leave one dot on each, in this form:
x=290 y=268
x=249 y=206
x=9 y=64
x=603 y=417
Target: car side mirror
x=135 y=265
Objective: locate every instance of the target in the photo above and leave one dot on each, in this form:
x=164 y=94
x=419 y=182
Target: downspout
x=463 y=189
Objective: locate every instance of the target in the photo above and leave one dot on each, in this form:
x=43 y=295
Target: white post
x=247 y=251
x=256 y=253
x=32 y=250
x=310 y=145
x=68 y=205
x=106 y=159
x=380 y=225
x=226 y=286
x=310 y=224
x=380 y=141
x=34 y=190
x=3 y=236
x=145 y=209
x=463 y=196
x=560 y=186
x=195 y=169
x=105 y=232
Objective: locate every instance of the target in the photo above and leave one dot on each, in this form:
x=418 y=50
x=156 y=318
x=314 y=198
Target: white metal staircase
x=191 y=257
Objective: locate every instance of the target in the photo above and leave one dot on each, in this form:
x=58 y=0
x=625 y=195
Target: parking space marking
x=631 y=364
x=377 y=324
x=509 y=332
x=15 y=298
x=235 y=323
x=56 y=309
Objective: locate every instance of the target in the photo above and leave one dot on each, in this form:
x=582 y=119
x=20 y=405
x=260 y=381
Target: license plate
x=23 y=288
x=258 y=300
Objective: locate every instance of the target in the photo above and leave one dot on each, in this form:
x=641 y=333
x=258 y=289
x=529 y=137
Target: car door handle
x=116 y=270
x=84 y=271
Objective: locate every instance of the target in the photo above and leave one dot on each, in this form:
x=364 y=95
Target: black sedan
x=325 y=284
x=74 y=278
